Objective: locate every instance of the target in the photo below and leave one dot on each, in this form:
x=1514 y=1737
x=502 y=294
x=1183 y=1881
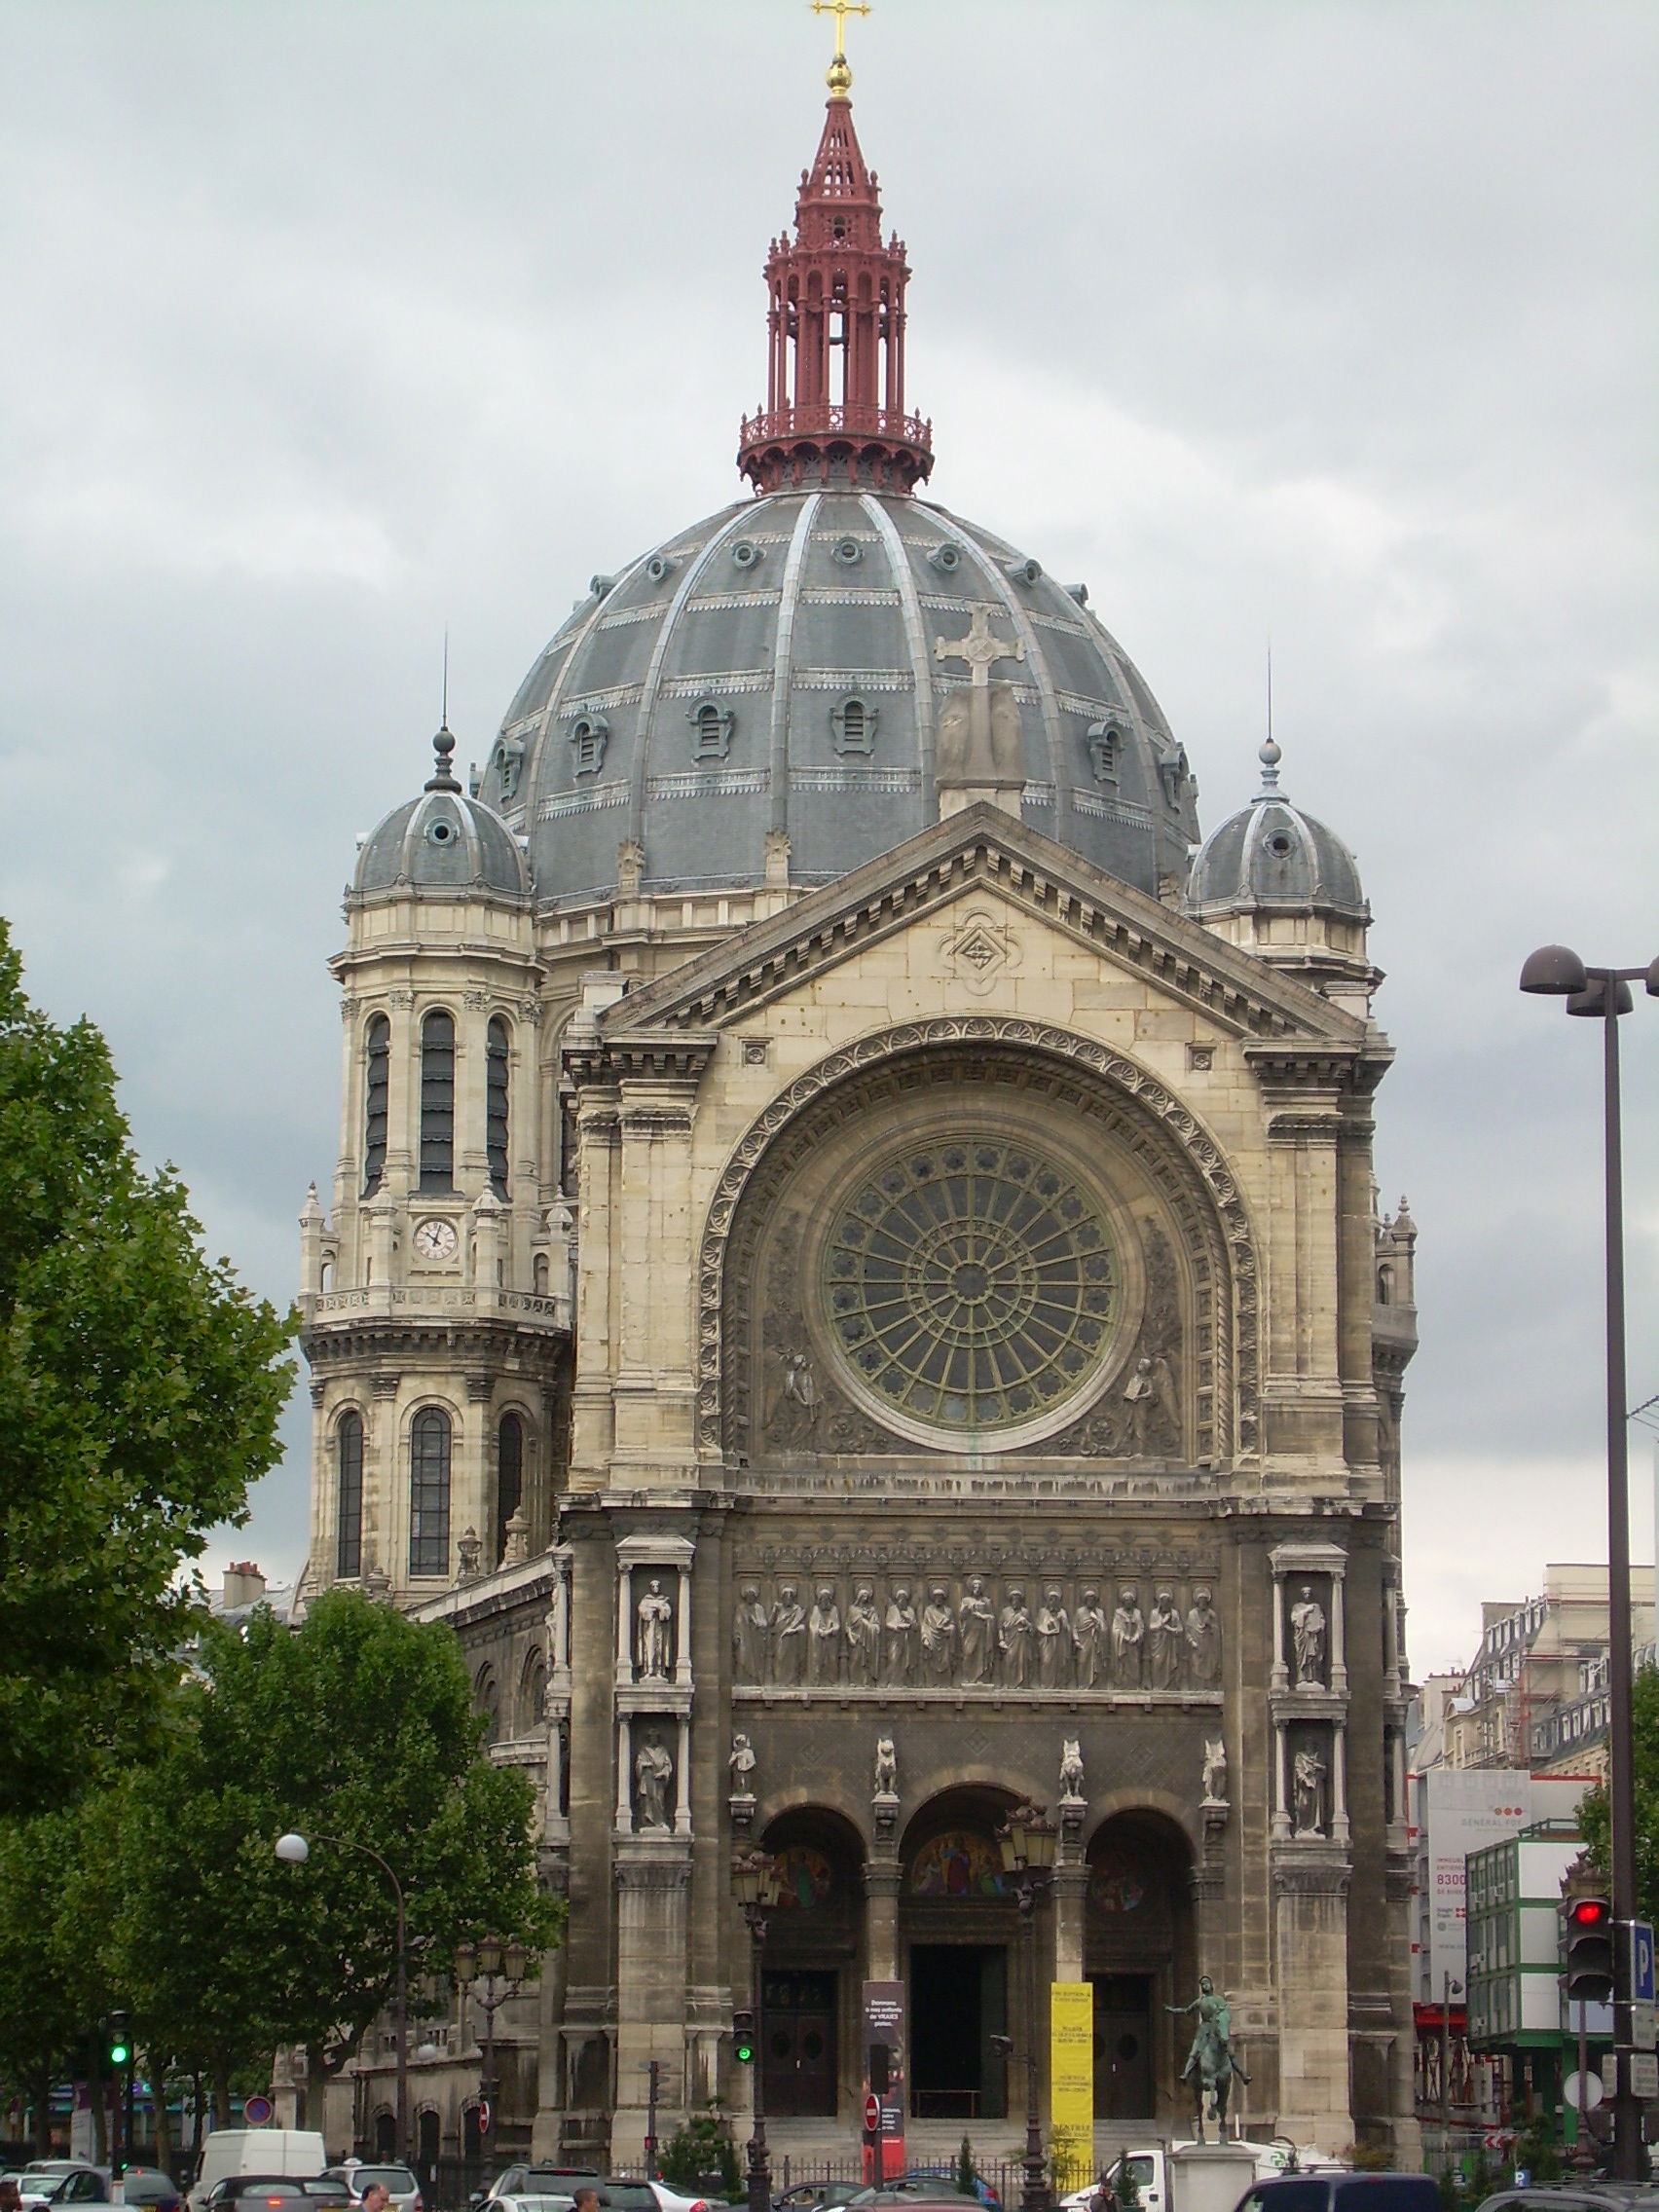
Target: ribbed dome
x=1271 y=855
x=442 y=840
x=783 y=667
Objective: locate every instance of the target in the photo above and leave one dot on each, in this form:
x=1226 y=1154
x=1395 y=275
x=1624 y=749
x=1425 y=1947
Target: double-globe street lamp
x=499 y=1968
x=1603 y=994
x=294 y=1850
x=1029 y=1842
x=756 y=1884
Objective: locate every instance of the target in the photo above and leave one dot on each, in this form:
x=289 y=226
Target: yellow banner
x=1071 y=2078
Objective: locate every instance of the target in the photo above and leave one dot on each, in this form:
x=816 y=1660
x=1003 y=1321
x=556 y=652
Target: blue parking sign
x=1641 y=1988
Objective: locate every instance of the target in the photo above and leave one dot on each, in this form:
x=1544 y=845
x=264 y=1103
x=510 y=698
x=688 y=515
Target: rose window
x=971 y=1286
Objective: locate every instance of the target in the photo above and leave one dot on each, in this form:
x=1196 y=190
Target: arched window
x=430 y=1493
x=509 y=1477
x=349 y=1462
x=377 y=1077
x=495 y=1068
x=438 y=1102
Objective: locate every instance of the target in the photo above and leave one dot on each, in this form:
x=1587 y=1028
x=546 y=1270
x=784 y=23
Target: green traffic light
x=743 y=2050
x=119 y=2053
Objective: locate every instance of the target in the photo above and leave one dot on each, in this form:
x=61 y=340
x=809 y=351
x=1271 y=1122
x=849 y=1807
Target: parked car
x=659 y=2193
x=275 y=2193
x=148 y=2186
x=930 y=2177
x=62 y=2181
x=358 y=2174
x=819 y=2196
x=1590 y=2195
x=523 y=2181
x=1343 y=2193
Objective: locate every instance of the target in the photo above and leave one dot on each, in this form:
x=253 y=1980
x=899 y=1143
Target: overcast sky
x=1334 y=323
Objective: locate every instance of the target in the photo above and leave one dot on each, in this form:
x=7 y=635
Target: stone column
x=1071 y=1890
x=881 y=1877
x=1311 y=1886
x=653 y=1876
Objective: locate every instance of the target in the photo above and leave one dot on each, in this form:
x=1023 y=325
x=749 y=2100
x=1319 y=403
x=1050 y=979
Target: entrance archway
x=1138 y=1956
x=810 y=1991
x=959 y=1929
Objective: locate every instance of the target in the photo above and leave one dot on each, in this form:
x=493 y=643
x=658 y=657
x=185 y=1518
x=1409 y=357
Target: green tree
x=1593 y=1810
x=139 y=1390
x=49 y=1960
x=359 y=1727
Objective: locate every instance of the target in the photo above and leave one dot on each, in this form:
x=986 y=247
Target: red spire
x=834 y=408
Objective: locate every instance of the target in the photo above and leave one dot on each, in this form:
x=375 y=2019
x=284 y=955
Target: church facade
x=854 y=1281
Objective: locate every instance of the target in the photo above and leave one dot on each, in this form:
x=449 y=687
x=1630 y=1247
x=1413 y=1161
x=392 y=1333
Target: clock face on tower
x=435 y=1240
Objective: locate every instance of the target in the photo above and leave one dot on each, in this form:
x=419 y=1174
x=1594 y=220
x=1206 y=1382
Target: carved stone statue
x=1164 y=1641
x=793 y=1402
x=1308 y=1782
x=900 y=1649
x=977 y=1629
x=1092 y=1635
x=886 y=1767
x=469 y=1551
x=1203 y=1641
x=1128 y=1642
x=1215 y=1771
x=1071 y=1769
x=1139 y=1395
x=939 y=1637
x=742 y=1766
x=824 y=1639
x=1308 y=1637
x=863 y=1639
x=751 y=1635
x=1053 y=1642
x=1014 y=1641
x=655 y=1642
x=653 y=1773
x=789 y=1639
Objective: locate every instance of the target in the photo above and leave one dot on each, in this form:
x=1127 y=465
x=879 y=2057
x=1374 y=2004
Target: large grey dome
x=780 y=668
x=441 y=841
x=1270 y=855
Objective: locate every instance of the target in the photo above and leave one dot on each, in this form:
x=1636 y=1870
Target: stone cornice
x=663 y=1057
x=984 y=847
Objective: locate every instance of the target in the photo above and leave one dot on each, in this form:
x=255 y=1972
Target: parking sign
x=1641 y=1988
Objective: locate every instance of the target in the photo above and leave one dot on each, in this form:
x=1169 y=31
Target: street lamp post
x=1603 y=993
x=295 y=1850
x=501 y=1968
x=1028 y=1842
x=754 y=1883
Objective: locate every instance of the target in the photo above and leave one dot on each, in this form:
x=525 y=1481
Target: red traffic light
x=1590 y=1912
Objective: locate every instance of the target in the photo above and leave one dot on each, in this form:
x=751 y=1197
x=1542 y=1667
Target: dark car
x=1343 y=2193
x=818 y=2196
x=156 y=2192
x=276 y=2192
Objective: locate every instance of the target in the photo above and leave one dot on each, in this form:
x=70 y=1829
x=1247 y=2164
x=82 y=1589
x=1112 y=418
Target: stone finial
x=517 y=1547
x=442 y=777
x=469 y=1553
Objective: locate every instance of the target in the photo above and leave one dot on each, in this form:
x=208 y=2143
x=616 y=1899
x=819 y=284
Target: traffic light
x=743 y=2037
x=1586 y=1949
x=118 y=2043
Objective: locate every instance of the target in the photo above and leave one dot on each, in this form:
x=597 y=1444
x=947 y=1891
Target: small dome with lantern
x=443 y=841
x=1283 y=886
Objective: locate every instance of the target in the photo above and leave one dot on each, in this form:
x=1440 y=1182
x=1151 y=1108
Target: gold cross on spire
x=841 y=77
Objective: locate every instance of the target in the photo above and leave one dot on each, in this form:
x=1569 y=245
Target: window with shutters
x=429 y=1491
x=349 y=1530
x=852 y=725
x=509 y=1477
x=496 y=1067
x=438 y=1102
x=377 y=1079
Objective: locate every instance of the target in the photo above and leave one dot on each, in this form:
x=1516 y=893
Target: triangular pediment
x=983 y=849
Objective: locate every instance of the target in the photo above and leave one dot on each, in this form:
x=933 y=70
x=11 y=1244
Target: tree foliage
x=1593 y=1810
x=357 y=1730
x=139 y=1390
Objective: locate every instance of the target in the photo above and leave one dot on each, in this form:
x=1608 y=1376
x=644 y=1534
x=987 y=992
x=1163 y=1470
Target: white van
x=232 y=2150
